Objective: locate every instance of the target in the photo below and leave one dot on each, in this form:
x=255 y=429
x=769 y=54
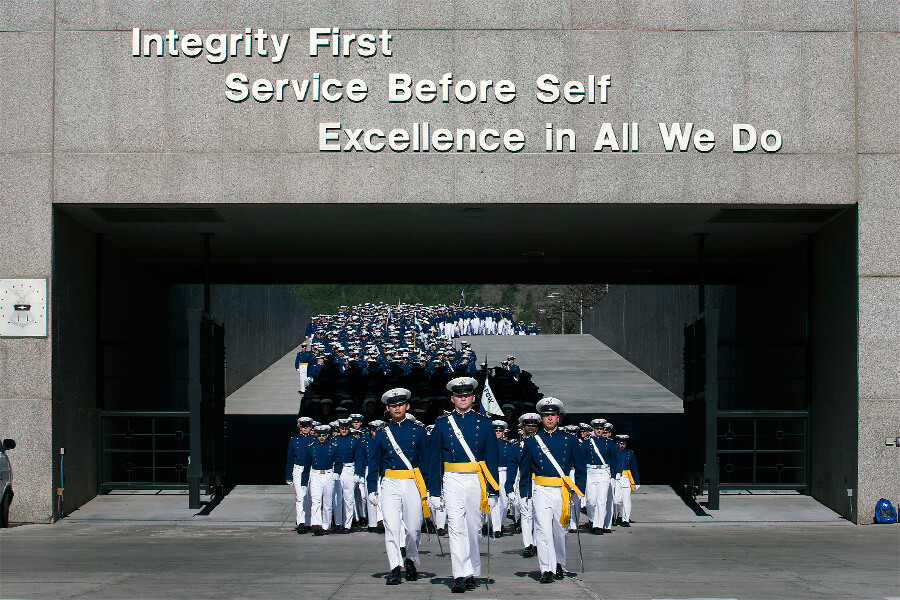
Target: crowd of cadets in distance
x=607 y=500
x=347 y=360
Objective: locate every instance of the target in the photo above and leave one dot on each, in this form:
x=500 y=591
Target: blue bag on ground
x=885 y=512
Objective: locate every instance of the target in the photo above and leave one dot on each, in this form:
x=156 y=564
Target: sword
x=580 y=555
x=487 y=585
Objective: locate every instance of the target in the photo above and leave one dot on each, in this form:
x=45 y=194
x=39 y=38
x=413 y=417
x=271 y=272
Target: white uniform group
x=465 y=477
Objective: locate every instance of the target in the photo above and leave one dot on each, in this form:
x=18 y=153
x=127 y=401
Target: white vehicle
x=6 y=477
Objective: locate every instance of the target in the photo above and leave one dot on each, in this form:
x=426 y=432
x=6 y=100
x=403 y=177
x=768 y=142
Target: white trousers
x=462 y=495
x=344 y=498
x=438 y=517
x=526 y=509
x=303 y=377
x=599 y=497
x=499 y=504
x=549 y=535
x=301 y=497
x=402 y=508
x=623 y=498
x=321 y=489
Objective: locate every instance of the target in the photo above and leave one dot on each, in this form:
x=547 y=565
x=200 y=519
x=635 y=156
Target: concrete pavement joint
x=116 y=581
x=586 y=588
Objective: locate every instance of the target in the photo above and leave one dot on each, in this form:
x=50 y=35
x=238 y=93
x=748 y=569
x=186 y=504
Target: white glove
x=436 y=503
x=373 y=498
x=637 y=486
x=336 y=476
x=360 y=479
x=512 y=498
x=298 y=370
x=619 y=477
x=289 y=482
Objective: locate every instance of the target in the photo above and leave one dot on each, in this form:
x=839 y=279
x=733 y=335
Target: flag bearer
x=396 y=456
x=550 y=455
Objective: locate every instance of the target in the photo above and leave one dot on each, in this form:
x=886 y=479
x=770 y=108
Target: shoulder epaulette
x=443 y=416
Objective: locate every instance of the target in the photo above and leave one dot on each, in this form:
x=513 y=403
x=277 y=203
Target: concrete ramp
x=579 y=370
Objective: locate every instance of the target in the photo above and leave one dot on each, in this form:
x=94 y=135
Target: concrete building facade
x=113 y=163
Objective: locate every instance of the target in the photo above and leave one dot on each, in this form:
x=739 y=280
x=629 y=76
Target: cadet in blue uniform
x=601 y=459
x=627 y=481
x=396 y=456
x=293 y=471
x=508 y=463
x=321 y=463
x=462 y=466
x=351 y=455
x=512 y=367
x=550 y=455
x=301 y=363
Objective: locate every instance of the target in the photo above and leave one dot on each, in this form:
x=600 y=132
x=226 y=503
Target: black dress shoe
x=459 y=585
x=442 y=531
x=394 y=577
x=605 y=530
x=380 y=526
x=317 y=530
x=517 y=527
x=301 y=529
x=597 y=531
x=546 y=577
x=411 y=573
x=470 y=582
x=530 y=552
x=344 y=530
x=372 y=530
x=497 y=534
x=626 y=524
x=560 y=572
x=484 y=530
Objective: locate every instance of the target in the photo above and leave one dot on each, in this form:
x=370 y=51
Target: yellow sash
x=415 y=475
x=484 y=477
x=630 y=478
x=563 y=483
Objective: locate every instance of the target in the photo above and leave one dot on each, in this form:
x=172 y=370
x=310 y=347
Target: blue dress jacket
x=350 y=450
x=564 y=448
x=321 y=457
x=627 y=460
x=608 y=449
x=413 y=441
x=296 y=454
x=479 y=435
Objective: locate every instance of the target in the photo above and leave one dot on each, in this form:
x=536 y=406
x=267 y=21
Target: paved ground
x=147 y=546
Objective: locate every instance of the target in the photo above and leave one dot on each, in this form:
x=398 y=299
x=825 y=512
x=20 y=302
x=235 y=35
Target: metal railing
x=144 y=449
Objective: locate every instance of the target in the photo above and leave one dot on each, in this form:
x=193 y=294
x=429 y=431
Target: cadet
x=508 y=457
x=627 y=481
x=351 y=455
x=373 y=511
x=528 y=423
x=303 y=360
x=293 y=472
x=512 y=367
x=396 y=456
x=321 y=465
x=550 y=455
x=600 y=456
x=462 y=463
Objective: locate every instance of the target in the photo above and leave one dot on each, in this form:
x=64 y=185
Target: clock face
x=23 y=307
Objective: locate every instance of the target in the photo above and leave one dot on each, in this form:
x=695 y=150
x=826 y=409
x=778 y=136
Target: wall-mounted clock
x=23 y=307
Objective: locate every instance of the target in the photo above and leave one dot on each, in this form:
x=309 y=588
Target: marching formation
x=463 y=476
